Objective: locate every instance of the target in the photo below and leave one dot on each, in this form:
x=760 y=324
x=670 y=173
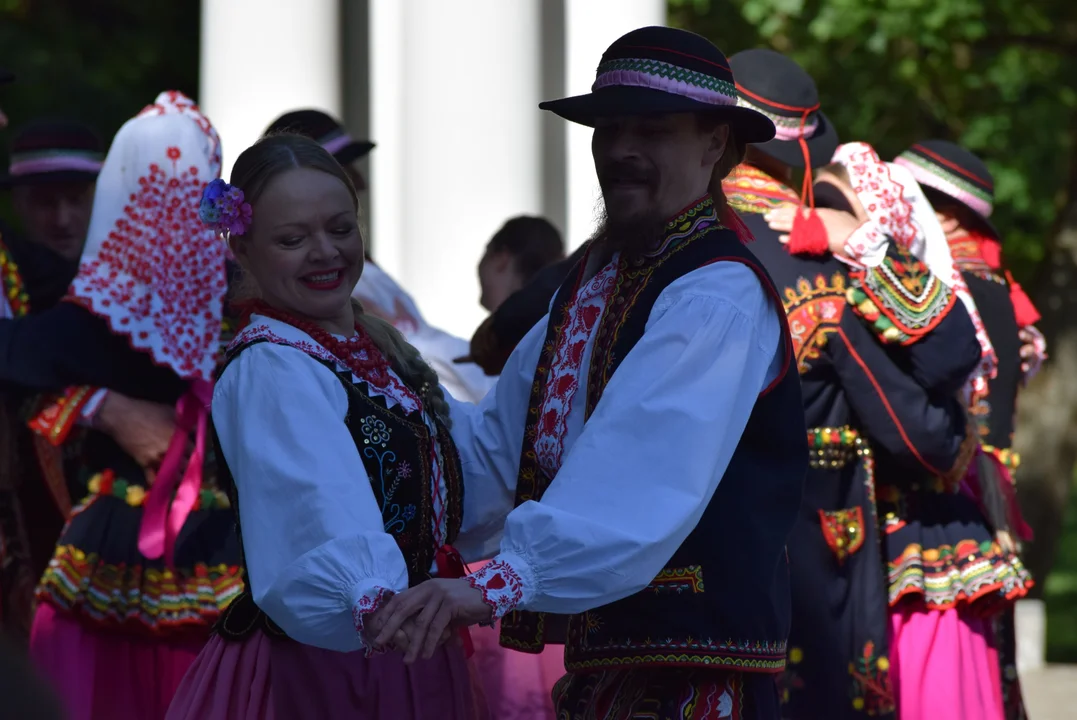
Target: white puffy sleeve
x=489 y=437
x=318 y=559
x=637 y=480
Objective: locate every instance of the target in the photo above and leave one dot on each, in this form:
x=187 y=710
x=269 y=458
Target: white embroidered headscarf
x=898 y=211
x=150 y=267
x=157 y=275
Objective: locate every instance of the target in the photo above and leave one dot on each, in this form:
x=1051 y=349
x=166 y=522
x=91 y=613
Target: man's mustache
x=615 y=173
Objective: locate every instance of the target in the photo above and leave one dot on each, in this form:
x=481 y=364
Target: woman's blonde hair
x=252 y=173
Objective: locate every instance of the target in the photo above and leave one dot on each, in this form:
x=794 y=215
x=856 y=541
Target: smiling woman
x=334 y=435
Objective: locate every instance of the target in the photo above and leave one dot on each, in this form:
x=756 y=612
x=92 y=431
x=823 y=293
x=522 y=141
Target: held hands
x=427 y=614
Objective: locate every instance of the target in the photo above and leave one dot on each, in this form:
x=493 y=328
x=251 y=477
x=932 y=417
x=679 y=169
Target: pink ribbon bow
x=164 y=516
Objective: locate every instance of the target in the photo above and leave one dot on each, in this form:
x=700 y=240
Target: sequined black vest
x=388 y=439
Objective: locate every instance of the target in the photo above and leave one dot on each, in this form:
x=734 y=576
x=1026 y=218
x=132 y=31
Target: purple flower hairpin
x=222 y=208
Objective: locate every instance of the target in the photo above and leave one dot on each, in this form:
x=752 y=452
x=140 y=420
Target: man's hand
x=143 y=429
x=437 y=606
x=1033 y=351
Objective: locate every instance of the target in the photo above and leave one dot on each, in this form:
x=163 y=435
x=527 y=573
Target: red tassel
x=732 y=221
x=991 y=250
x=450 y=565
x=808 y=236
x=1023 y=309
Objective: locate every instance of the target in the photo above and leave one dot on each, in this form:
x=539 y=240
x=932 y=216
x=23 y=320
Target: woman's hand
x=437 y=606
x=839 y=225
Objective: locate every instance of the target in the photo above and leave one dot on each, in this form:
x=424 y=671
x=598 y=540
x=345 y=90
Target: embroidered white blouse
x=633 y=482
x=318 y=557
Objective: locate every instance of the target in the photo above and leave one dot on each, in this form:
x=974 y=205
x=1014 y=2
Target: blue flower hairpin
x=222 y=208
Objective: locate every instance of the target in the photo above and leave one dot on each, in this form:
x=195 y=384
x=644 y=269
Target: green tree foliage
x=998 y=76
x=99 y=61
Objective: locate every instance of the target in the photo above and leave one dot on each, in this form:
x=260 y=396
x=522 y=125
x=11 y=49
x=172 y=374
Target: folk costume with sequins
x=146 y=563
x=673 y=365
x=856 y=399
x=347 y=489
x=948 y=576
x=953 y=177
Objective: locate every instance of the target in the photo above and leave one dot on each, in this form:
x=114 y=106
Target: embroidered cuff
x=866 y=246
x=501 y=582
x=89 y=410
x=372 y=595
x=56 y=416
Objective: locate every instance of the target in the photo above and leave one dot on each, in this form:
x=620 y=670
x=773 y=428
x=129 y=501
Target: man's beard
x=633 y=236
x=634 y=230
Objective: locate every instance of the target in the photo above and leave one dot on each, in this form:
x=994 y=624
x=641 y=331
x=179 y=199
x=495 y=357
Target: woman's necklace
x=358 y=353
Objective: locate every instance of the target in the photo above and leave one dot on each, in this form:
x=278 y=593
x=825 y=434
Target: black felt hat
x=54 y=151
x=329 y=133
x=777 y=87
x=661 y=70
x=950 y=169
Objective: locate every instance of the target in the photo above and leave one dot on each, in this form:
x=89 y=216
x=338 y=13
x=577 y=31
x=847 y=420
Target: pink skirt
x=944 y=666
x=263 y=678
x=108 y=676
x=517 y=685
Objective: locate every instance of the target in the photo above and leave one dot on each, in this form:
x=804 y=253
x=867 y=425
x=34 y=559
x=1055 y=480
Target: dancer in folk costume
x=649 y=427
x=856 y=398
x=379 y=293
x=961 y=191
x=148 y=559
x=948 y=575
x=346 y=483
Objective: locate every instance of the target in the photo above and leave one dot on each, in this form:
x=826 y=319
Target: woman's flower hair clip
x=222 y=208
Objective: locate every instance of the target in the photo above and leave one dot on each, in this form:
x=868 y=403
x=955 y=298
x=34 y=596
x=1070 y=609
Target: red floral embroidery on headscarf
x=150 y=267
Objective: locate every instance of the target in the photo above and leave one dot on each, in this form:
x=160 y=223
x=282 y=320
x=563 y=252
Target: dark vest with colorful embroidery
x=723 y=598
x=387 y=438
x=994 y=415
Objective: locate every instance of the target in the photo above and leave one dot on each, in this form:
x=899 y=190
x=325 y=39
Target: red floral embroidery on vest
x=565 y=370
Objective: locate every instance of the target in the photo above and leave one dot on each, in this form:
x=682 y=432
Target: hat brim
x=49 y=178
x=747 y=124
x=353 y=151
x=821 y=146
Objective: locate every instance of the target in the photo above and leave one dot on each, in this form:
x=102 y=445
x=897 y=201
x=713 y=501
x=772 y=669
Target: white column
x=454 y=95
x=591 y=26
x=262 y=58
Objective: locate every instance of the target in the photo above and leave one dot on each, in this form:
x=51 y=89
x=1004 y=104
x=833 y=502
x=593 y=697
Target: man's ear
x=718 y=141
x=949 y=223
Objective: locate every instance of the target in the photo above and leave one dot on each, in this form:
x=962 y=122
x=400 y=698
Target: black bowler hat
x=54 y=151
x=661 y=70
x=776 y=86
x=329 y=133
x=950 y=169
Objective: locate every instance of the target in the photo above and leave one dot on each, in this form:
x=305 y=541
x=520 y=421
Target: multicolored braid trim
x=785 y=128
x=667 y=77
x=933 y=175
x=47 y=161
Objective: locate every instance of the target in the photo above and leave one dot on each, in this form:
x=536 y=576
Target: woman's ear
x=238 y=247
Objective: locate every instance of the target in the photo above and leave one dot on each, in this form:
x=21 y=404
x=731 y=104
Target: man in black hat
x=855 y=397
x=650 y=433
x=331 y=135
x=54 y=166
x=962 y=191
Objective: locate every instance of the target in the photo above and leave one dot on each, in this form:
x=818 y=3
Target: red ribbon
x=164 y=515
x=451 y=565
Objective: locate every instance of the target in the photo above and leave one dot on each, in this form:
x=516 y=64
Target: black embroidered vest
x=388 y=440
x=723 y=598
